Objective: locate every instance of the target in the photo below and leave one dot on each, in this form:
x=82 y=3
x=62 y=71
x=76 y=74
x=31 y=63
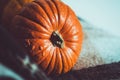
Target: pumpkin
x=51 y=33
x=10 y=8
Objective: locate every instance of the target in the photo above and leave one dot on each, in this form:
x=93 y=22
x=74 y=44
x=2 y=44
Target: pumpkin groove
x=47 y=10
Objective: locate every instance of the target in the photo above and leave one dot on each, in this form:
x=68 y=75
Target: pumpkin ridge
x=49 y=69
x=54 y=61
x=39 y=7
x=54 y=68
x=72 y=53
x=57 y=64
x=57 y=12
x=25 y=19
x=68 y=28
x=34 y=33
x=47 y=60
x=65 y=21
x=37 y=19
x=69 y=63
x=40 y=51
x=65 y=61
x=43 y=12
x=71 y=39
x=60 y=60
x=42 y=54
x=73 y=44
x=73 y=32
x=50 y=5
x=46 y=11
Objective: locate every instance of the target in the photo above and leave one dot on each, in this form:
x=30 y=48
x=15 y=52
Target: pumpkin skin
x=10 y=8
x=51 y=33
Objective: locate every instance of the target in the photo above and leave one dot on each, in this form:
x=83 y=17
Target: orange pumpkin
x=51 y=33
x=9 y=8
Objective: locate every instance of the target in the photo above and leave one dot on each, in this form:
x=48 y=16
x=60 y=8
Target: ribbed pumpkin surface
x=51 y=33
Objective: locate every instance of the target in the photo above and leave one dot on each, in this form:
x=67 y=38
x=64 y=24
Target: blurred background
x=104 y=14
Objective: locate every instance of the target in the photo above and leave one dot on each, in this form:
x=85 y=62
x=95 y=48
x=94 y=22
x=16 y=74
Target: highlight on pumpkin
x=50 y=32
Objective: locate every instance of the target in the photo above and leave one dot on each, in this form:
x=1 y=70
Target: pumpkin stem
x=57 y=39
